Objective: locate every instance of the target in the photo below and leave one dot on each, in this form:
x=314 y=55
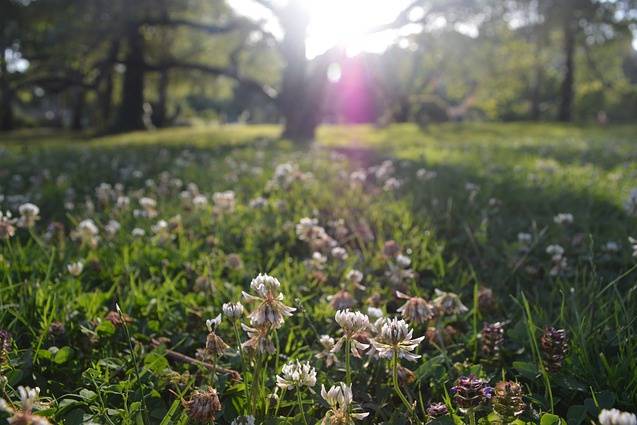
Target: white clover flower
x=340 y=399
x=355 y=276
x=76 y=268
x=328 y=345
x=112 y=228
x=149 y=206
x=243 y=420
x=87 y=232
x=374 y=312
x=353 y=325
x=316 y=262
x=29 y=214
x=525 y=238
x=395 y=338
x=224 y=202
x=563 y=218
x=448 y=303
x=306 y=228
x=391 y=183
x=270 y=310
x=24 y=415
x=212 y=324
x=123 y=202
x=138 y=232
x=258 y=339
x=555 y=251
x=616 y=417
x=296 y=375
x=7 y=229
x=611 y=246
x=258 y=202
x=358 y=177
x=339 y=253
x=424 y=174
x=199 y=201
x=163 y=231
x=233 y=311
x=416 y=309
x=403 y=261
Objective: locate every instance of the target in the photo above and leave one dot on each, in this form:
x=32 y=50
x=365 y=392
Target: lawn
x=505 y=247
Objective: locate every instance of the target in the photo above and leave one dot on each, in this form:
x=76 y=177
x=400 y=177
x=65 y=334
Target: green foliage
x=95 y=364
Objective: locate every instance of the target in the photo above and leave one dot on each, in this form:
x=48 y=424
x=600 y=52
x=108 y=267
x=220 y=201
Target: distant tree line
x=121 y=65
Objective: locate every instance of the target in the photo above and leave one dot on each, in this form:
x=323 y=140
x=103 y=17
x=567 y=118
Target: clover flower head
x=342 y=411
x=395 y=338
x=448 y=303
x=616 y=417
x=416 y=309
x=232 y=311
x=29 y=214
x=296 y=375
x=76 y=268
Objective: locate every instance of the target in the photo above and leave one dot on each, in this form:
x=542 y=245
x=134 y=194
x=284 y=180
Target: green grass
x=459 y=238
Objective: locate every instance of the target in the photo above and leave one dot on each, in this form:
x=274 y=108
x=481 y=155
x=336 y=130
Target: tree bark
x=567 y=90
x=160 y=110
x=7 y=121
x=295 y=101
x=131 y=109
x=106 y=93
x=78 y=109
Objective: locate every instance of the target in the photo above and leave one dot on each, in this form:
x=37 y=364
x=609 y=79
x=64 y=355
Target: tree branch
x=229 y=72
x=200 y=26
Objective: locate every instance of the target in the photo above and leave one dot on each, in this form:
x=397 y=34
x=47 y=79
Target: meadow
x=470 y=273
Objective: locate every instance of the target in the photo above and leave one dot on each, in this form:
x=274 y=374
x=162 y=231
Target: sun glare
x=348 y=23
x=345 y=23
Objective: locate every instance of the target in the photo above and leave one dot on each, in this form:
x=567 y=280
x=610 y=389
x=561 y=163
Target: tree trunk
x=567 y=91
x=106 y=93
x=131 y=109
x=6 y=97
x=296 y=104
x=159 y=111
x=78 y=109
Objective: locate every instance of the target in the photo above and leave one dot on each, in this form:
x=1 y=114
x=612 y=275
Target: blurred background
x=106 y=66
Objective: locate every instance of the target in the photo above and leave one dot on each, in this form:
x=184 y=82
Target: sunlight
x=345 y=23
x=348 y=24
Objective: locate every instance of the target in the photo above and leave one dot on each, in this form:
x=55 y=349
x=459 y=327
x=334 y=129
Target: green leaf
x=576 y=414
x=63 y=355
x=550 y=419
x=526 y=369
x=105 y=328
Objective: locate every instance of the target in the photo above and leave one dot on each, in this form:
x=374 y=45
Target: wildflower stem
x=472 y=417
x=137 y=374
x=278 y=403
x=397 y=387
x=243 y=368
x=255 y=385
x=298 y=398
x=348 y=367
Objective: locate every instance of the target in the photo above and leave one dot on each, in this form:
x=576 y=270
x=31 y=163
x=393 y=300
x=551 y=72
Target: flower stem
x=348 y=367
x=472 y=417
x=243 y=366
x=298 y=398
x=255 y=385
x=397 y=387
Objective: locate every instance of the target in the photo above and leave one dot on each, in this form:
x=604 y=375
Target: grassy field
x=504 y=246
